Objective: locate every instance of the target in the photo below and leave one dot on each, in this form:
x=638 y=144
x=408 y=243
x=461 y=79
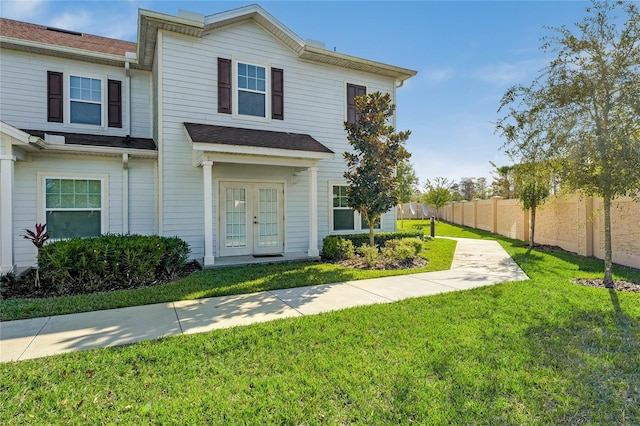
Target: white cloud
x=510 y=73
x=438 y=75
x=23 y=10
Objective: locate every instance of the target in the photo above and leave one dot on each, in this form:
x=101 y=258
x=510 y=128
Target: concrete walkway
x=476 y=263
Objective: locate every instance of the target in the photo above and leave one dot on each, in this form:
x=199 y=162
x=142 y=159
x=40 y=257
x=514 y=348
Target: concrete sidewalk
x=476 y=263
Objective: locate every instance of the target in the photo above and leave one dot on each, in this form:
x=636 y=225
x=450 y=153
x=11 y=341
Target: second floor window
x=252 y=90
x=85 y=100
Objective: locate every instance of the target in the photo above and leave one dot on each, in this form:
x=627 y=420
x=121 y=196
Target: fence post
x=494 y=213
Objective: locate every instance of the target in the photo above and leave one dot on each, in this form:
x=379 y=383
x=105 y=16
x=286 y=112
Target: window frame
x=357 y=217
x=102 y=103
x=236 y=90
x=104 y=196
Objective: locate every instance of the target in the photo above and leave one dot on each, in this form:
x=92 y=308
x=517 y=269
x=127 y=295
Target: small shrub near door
x=110 y=262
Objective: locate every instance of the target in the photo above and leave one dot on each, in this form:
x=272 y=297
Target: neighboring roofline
x=63 y=51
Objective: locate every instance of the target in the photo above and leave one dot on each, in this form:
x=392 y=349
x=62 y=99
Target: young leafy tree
x=438 y=193
x=371 y=166
x=591 y=90
x=528 y=134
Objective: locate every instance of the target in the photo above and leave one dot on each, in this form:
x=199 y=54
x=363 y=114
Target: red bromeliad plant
x=38 y=238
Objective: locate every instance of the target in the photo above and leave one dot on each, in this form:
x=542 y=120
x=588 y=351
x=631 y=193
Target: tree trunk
x=532 y=242
x=371 y=241
x=608 y=263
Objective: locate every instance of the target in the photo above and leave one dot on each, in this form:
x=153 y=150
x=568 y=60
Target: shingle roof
x=206 y=133
x=99 y=140
x=57 y=37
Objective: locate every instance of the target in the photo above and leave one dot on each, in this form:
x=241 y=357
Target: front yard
x=543 y=351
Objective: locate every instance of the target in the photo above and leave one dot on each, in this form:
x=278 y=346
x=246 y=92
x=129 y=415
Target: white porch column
x=207 y=167
x=313 y=212
x=6 y=213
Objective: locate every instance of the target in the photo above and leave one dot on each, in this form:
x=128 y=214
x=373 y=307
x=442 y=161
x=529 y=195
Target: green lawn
x=219 y=282
x=542 y=351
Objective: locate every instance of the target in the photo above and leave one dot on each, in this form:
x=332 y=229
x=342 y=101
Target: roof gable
x=196 y=26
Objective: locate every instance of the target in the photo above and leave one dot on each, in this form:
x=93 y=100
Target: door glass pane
x=268 y=217
x=236 y=217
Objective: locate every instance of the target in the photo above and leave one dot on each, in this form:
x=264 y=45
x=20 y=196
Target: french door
x=251 y=218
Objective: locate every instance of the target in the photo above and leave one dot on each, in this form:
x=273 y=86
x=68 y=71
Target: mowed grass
x=219 y=282
x=542 y=351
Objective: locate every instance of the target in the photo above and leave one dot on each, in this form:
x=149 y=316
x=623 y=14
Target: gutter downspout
x=125 y=193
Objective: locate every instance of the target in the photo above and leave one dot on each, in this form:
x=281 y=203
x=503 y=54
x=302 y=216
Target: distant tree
x=371 y=166
x=467 y=187
x=591 y=90
x=503 y=184
x=437 y=193
x=482 y=190
x=407 y=182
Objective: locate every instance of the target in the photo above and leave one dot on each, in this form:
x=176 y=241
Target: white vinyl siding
x=314 y=103
x=23 y=84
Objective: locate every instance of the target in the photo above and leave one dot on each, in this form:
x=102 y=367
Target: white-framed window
x=86 y=99
x=343 y=215
x=74 y=205
x=343 y=218
x=252 y=90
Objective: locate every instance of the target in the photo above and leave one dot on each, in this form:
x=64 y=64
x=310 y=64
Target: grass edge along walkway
x=219 y=282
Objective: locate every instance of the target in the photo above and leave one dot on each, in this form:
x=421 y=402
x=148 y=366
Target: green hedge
x=80 y=265
x=331 y=244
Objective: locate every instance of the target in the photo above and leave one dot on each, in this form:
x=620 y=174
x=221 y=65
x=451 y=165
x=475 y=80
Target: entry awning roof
x=223 y=140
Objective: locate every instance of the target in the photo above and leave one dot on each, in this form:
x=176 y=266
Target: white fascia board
x=38 y=47
x=315 y=54
x=17 y=136
x=217 y=157
x=260 y=151
x=100 y=150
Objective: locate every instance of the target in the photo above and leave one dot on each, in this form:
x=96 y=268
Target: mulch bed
x=383 y=264
x=24 y=286
x=618 y=285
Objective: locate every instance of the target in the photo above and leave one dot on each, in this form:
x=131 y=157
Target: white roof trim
x=261 y=151
x=18 y=137
x=262 y=17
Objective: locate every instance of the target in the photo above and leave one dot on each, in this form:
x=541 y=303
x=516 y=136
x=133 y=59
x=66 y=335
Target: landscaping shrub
x=80 y=265
x=331 y=244
x=368 y=253
x=337 y=248
x=402 y=249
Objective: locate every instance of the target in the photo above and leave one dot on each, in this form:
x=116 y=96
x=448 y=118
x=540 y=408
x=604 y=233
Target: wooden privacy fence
x=574 y=223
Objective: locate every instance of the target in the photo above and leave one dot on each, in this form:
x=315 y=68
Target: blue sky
x=466 y=54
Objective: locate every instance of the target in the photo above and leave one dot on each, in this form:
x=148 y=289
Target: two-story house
x=224 y=130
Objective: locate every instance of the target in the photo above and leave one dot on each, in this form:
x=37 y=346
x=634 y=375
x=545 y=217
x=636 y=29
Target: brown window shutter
x=277 y=94
x=353 y=91
x=224 y=86
x=54 y=96
x=114 y=101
